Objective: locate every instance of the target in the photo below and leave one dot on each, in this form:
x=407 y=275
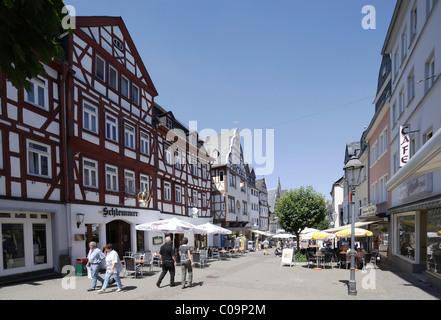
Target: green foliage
x=29 y=31
x=301 y=208
x=300 y=257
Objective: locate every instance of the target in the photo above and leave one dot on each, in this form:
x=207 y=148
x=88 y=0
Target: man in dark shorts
x=168 y=261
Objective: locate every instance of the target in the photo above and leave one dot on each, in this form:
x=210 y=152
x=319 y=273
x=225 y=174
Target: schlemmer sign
x=404 y=144
x=118 y=213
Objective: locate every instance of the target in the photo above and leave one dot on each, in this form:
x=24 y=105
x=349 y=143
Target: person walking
x=186 y=263
x=168 y=262
x=265 y=246
x=113 y=267
x=94 y=257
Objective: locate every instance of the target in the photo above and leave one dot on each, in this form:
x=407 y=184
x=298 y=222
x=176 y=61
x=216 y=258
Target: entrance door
x=118 y=234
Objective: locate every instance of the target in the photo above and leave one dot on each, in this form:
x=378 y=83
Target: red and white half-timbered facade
x=79 y=148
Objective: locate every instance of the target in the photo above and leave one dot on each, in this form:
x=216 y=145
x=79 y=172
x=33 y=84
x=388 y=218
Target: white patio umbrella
x=308 y=230
x=317 y=235
x=211 y=228
x=173 y=225
x=283 y=236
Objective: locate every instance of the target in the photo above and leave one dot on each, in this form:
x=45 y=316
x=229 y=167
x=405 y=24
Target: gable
x=111 y=34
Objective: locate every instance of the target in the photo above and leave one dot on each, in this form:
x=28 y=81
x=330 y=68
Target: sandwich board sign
x=287 y=257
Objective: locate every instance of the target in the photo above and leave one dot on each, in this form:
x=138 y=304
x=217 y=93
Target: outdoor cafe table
x=319 y=256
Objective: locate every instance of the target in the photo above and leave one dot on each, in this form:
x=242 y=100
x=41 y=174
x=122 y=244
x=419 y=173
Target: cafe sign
x=115 y=212
x=369 y=210
x=404 y=144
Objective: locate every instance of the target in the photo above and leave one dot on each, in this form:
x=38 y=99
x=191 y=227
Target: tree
x=29 y=31
x=301 y=208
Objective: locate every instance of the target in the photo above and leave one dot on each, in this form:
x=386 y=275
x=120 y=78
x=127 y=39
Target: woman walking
x=113 y=267
x=186 y=263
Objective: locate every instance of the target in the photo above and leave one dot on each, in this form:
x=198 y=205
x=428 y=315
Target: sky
x=305 y=70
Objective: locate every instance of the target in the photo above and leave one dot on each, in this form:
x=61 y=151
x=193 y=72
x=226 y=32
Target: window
x=204 y=200
x=410 y=87
x=401 y=102
x=129 y=136
x=145 y=143
x=382 y=192
x=144 y=183
x=38 y=159
x=178 y=194
x=90 y=118
x=195 y=198
x=413 y=23
x=406 y=236
x=374 y=153
x=100 y=68
x=167 y=155
x=412 y=145
x=177 y=160
x=395 y=163
x=111 y=178
x=221 y=176
x=231 y=205
x=113 y=78
x=204 y=172
x=111 y=128
x=124 y=86
x=135 y=94
x=129 y=182
x=167 y=191
x=374 y=193
x=404 y=45
x=169 y=123
x=195 y=168
x=90 y=173
x=427 y=136
x=430 y=4
x=394 y=113
x=430 y=73
x=383 y=142
x=38 y=94
x=396 y=64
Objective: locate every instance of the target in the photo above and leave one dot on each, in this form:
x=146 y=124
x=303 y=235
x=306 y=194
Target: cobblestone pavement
x=253 y=276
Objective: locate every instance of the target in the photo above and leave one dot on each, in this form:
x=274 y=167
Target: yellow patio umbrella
x=358 y=232
x=316 y=235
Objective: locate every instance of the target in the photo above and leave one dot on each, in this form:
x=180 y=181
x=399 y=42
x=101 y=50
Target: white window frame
x=129 y=182
x=195 y=198
x=204 y=171
x=126 y=92
x=401 y=103
x=178 y=194
x=167 y=155
x=410 y=87
x=113 y=78
x=37 y=84
x=177 y=158
x=90 y=117
x=430 y=72
x=374 y=192
x=111 y=128
x=40 y=154
x=144 y=143
x=204 y=200
x=97 y=57
x=135 y=97
x=111 y=178
x=129 y=136
x=167 y=191
x=90 y=173
x=404 y=44
x=382 y=192
x=144 y=183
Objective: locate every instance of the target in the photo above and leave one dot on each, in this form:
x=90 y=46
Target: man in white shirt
x=94 y=257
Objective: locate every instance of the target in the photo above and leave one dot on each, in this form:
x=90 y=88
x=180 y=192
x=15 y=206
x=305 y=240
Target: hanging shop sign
x=404 y=144
x=115 y=212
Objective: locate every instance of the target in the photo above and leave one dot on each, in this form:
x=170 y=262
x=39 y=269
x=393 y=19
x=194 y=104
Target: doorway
x=118 y=234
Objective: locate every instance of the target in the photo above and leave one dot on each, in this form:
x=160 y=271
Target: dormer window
x=169 y=123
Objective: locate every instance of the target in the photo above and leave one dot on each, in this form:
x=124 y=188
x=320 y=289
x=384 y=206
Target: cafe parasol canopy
x=317 y=235
x=358 y=232
x=173 y=225
x=211 y=228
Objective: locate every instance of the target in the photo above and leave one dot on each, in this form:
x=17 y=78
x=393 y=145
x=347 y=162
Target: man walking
x=168 y=261
x=265 y=246
x=95 y=256
x=186 y=263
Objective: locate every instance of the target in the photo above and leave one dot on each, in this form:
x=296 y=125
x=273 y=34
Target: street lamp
x=352 y=170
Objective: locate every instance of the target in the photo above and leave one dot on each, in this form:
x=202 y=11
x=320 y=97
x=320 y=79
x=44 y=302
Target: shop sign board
x=287 y=257
x=115 y=212
x=404 y=144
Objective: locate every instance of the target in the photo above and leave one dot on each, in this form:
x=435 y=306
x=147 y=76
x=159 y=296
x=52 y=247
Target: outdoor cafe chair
x=343 y=259
x=328 y=258
x=130 y=266
x=215 y=253
x=310 y=258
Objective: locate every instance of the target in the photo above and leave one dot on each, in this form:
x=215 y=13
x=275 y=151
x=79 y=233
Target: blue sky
x=305 y=68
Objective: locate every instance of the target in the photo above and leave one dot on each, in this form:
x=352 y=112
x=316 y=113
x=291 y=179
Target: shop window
x=434 y=241
x=406 y=236
x=39 y=243
x=13 y=245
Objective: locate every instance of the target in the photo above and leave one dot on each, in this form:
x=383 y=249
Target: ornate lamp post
x=352 y=170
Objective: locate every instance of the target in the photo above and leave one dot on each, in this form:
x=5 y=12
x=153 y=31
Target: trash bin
x=81 y=269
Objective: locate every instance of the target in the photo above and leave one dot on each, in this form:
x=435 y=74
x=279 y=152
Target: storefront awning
x=426 y=160
x=357 y=225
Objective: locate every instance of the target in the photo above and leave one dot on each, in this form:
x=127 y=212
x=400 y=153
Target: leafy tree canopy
x=301 y=208
x=29 y=31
